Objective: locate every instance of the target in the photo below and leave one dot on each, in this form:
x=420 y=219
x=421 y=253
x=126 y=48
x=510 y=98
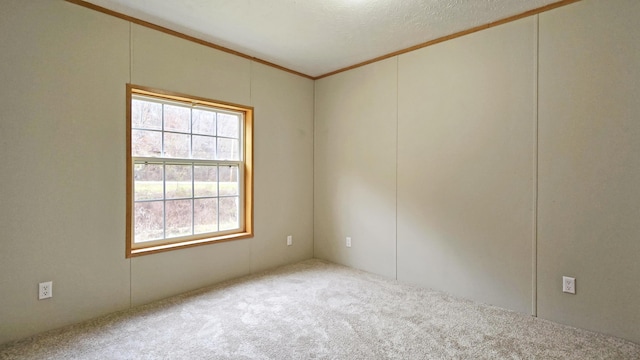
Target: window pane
x=204 y=147
x=204 y=122
x=228 y=125
x=146 y=143
x=176 y=145
x=177 y=118
x=148 y=221
x=178 y=218
x=228 y=149
x=178 y=181
x=148 y=181
x=146 y=115
x=229 y=213
x=205 y=181
x=228 y=177
x=205 y=214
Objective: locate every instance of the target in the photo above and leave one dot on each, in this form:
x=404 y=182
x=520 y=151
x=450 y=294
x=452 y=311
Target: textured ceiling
x=316 y=37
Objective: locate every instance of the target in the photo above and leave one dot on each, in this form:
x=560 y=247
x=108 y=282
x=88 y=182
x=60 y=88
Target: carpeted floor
x=318 y=310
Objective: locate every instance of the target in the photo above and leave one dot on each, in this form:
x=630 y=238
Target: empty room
x=335 y=179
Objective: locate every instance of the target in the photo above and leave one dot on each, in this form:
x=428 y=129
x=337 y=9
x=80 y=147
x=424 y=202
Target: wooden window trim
x=243 y=233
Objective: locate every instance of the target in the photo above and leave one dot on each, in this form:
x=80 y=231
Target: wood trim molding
x=379 y=58
x=183 y=36
x=453 y=36
x=129 y=180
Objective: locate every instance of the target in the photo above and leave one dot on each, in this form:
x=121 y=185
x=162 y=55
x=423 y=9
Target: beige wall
x=465 y=165
x=63 y=160
x=63 y=72
x=468 y=176
x=355 y=161
x=589 y=183
x=453 y=124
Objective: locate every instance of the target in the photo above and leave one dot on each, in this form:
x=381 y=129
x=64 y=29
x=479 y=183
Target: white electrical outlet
x=45 y=290
x=348 y=241
x=289 y=240
x=569 y=285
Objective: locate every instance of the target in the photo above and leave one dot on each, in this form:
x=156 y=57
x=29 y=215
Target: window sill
x=187 y=244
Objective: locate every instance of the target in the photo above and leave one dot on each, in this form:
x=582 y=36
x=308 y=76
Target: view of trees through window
x=186 y=169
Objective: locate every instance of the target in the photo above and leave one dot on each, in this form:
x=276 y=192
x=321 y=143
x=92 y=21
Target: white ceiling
x=316 y=37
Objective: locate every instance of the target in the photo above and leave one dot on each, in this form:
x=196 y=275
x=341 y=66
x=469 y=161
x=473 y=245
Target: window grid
x=193 y=196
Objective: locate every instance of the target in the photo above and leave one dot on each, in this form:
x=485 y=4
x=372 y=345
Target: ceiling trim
x=264 y=62
x=183 y=36
x=453 y=36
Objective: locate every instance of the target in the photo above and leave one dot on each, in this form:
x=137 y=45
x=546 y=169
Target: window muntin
x=189 y=173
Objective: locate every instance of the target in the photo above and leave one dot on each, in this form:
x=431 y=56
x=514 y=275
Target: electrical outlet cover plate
x=45 y=290
x=289 y=240
x=568 y=285
x=348 y=242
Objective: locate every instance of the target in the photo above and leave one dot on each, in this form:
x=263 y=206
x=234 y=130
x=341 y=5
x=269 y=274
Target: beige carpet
x=318 y=310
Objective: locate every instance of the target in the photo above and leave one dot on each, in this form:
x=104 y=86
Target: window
x=189 y=171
